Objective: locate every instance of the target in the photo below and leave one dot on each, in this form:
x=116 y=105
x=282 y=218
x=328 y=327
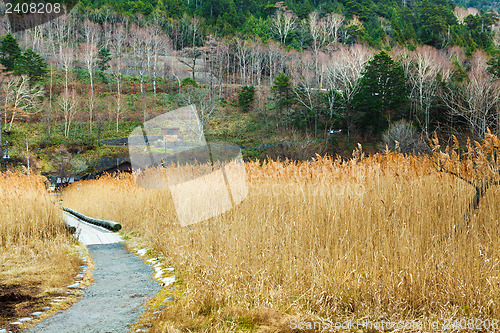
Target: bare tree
x=275 y=60
x=422 y=68
x=461 y=13
x=218 y=62
x=205 y=106
x=149 y=48
x=68 y=102
x=118 y=40
x=342 y=73
x=116 y=67
x=189 y=56
x=302 y=68
x=4 y=79
x=283 y=21
x=138 y=40
x=476 y=99
x=209 y=67
x=62 y=28
x=242 y=52
x=21 y=97
x=89 y=51
x=256 y=62
x=318 y=30
x=4 y=25
x=33 y=39
x=159 y=46
x=66 y=57
x=319 y=36
x=323 y=31
x=108 y=31
x=195 y=26
x=118 y=44
x=332 y=24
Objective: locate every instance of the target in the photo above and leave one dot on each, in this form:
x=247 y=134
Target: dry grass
x=319 y=239
x=37 y=258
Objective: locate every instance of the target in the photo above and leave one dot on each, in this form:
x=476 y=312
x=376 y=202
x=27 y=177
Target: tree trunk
x=91 y=105
x=118 y=106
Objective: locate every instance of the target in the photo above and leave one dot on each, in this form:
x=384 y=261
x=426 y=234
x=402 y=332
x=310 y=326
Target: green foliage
x=382 y=97
x=364 y=9
x=257 y=26
x=355 y=33
x=103 y=58
x=282 y=90
x=375 y=33
x=458 y=73
x=397 y=33
x=429 y=22
x=10 y=52
x=172 y=8
x=494 y=65
x=434 y=18
x=189 y=82
x=28 y=62
x=31 y=64
x=246 y=97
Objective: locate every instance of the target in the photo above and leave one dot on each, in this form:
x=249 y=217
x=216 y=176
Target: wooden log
x=110 y=225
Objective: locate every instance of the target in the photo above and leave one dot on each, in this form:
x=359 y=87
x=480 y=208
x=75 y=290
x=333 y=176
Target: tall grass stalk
x=320 y=239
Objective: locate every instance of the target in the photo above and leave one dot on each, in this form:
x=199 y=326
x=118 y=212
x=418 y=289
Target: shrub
x=403 y=137
x=189 y=82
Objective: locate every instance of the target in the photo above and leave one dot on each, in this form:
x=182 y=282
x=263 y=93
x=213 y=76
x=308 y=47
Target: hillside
x=380 y=22
x=283 y=82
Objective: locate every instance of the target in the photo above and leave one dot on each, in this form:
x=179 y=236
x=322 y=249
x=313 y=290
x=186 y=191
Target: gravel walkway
x=122 y=284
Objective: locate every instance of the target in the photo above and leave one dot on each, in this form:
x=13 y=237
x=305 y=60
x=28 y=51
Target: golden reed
x=321 y=239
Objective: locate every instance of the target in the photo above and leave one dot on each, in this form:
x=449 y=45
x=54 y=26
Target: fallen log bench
x=110 y=225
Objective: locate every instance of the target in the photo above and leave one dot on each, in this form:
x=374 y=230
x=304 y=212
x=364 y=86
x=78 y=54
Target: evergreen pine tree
x=32 y=64
x=10 y=52
x=283 y=92
x=103 y=58
x=382 y=97
x=246 y=96
x=494 y=66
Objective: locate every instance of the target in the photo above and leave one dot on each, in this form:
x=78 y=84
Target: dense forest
x=381 y=23
x=259 y=72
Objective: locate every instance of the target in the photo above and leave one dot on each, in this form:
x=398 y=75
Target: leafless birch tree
x=283 y=21
x=89 y=51
x=118 y=44
x=422 y=68
x=138 y=40
x=205 y=106
x=20 y=97
x=68 y=103
x=476 y=99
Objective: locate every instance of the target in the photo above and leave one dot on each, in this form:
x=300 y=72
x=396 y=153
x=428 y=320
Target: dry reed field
x=381 y=237
x=37 y=258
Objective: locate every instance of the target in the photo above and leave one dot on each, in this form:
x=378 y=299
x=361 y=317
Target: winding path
x=115 y=300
